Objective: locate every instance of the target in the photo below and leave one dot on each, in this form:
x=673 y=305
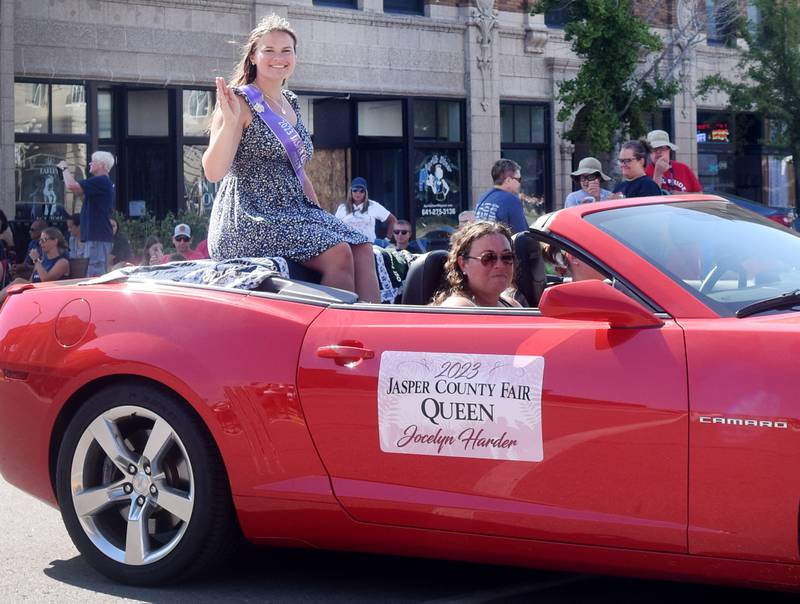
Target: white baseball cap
x=183 y=229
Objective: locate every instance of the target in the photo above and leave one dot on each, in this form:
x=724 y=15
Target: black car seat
x=531 y=276
x=302 y=273
x=425 y=277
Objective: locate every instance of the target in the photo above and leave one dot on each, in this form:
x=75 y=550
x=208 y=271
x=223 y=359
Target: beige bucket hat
x=659 y=138
x=590 y=165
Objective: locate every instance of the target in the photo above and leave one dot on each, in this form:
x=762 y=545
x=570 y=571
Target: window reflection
x=198 y=106
x=105 y=114
x=199 y=193
x=31 y=108
x=39 y=191
x=69 y=109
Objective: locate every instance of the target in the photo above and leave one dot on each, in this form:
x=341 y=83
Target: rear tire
x=142 y=488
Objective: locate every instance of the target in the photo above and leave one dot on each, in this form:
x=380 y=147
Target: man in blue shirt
x=501 y=203
x=98 y=202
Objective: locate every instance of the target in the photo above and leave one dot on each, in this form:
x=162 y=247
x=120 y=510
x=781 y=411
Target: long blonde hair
x=461 y=245
x=245 y=71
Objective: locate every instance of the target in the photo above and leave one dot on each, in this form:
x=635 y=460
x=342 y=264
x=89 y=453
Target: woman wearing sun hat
x=588 y=175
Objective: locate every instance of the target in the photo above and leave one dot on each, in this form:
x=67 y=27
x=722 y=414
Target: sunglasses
x=43 y=239
x=490 y=258
x=357 y=191
x=401 y=232
x=626 y=161
x=589 y=177
x=517 y=178
x=181 y=238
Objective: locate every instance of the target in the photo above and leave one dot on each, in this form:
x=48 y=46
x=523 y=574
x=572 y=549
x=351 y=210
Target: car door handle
x=345 y=353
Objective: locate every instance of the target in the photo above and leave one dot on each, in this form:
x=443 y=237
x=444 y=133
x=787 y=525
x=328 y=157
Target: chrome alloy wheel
x=132 y=485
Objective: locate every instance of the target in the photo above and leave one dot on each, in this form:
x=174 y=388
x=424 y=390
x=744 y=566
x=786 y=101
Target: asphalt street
x=38 y=563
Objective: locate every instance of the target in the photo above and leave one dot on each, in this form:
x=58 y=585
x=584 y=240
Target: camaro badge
x=743 y=421
x=486 y=406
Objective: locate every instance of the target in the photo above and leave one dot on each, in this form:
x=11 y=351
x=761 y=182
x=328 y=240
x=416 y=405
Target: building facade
x=418 y=97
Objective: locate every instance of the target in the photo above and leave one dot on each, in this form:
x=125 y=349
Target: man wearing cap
x=588 y=175
x=501 y=203
x=182 y=240
x=673 y=177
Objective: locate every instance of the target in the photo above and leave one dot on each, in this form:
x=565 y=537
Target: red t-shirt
x=678 y=179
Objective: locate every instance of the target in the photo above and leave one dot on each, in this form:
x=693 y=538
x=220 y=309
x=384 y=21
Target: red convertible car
x=639 y=417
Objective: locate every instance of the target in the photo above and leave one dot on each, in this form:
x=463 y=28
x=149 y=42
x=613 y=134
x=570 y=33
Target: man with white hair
x=98 y=202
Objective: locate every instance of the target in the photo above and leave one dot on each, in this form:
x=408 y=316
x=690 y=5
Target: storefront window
x=524 y=139
x=69 y=109
x=716 y=171
x=31 y=108
x=39 y=191
x=199 y=193
x=778 y=178
x=104 y=114
x=437 y=120
x=713 y=128
x=198 y=106
x=148 y=113
x=522 y=123
x=380 y=118
x=533 y=168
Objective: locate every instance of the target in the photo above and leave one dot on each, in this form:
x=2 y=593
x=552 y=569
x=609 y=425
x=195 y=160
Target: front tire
x=142 y=488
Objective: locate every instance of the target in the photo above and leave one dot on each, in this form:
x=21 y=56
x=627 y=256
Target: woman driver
x=479 y=267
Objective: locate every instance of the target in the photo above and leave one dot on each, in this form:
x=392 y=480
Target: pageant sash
x=281 y=128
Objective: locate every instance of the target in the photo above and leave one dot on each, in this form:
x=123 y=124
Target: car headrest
x=531 y=276
x=425 y=277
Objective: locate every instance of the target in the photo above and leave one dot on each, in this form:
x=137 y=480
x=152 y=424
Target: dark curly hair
x=461 y=245
x=640 y=148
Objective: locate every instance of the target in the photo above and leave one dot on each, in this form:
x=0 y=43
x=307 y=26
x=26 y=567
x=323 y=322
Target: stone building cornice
x=233 y=6
x=375 y=19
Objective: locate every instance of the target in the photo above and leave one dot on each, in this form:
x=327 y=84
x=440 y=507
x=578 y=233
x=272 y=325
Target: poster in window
x=437 y=188
x=40 y=191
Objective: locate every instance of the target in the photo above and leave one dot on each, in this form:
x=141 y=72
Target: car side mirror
x=594 y=300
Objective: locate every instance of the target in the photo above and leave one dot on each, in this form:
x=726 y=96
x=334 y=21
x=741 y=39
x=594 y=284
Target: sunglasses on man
x=401 y=231
x=490 y=258
x=182 y=238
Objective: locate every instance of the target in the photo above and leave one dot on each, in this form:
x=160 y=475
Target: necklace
x=279 y=105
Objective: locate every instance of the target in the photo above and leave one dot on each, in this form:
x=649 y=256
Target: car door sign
x=483 y=406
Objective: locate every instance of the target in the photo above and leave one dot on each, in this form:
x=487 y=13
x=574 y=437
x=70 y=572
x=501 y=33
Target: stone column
x=563 y=180
x=561 y=68
x=684 y=115
x=7 y=193
x=483 y=100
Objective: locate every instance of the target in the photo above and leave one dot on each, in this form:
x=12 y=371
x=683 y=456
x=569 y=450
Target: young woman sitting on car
x=479 y=267
x=52 y=264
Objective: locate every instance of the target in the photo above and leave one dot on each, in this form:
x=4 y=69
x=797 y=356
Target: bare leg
x=336 y=266
x=365 y=276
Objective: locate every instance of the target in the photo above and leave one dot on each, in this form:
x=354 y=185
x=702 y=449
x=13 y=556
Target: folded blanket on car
x=238 y=273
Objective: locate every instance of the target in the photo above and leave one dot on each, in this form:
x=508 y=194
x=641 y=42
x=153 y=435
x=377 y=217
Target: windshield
x=723 y=254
